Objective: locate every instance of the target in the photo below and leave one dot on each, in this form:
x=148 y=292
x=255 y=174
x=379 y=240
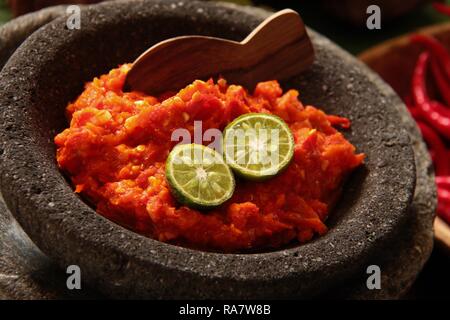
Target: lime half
x=198 y=176
x=258 y=146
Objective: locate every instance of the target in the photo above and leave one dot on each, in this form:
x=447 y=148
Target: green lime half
x=198 y=176
x=258 y=146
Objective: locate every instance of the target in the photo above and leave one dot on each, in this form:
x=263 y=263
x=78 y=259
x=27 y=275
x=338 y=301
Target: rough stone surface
x=25 y=272
x=13 y=33
x=405 y=257
x=373 y=212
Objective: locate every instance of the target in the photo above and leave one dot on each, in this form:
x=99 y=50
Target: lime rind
x=202 y=180
x=236 y=152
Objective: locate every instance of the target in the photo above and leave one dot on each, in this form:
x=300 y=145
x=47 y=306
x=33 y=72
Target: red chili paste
x=116 y=146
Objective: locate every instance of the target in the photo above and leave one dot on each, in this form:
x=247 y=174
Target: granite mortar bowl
x=50 y=69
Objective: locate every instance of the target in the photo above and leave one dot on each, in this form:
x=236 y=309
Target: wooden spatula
x=277 y=49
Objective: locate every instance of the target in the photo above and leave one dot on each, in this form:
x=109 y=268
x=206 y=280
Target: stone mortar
x=372 y=212
x=13 y=33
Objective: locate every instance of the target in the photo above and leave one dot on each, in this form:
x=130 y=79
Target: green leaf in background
x=5 y=14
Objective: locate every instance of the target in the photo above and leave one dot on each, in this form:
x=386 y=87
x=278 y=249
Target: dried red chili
x=443 y=182
x=444 y=203
x=435 y=47
x=444 y=196
x=441 y=164
x=442 y=8
x=443 y=211
x=415 y=113
x=430 y=111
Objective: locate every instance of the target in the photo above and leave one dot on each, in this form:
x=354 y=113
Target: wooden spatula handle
x=280 y=29
x=277 y=49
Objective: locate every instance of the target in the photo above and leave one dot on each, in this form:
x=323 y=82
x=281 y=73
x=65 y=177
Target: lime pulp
x=198 y=176
x=258 y=146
